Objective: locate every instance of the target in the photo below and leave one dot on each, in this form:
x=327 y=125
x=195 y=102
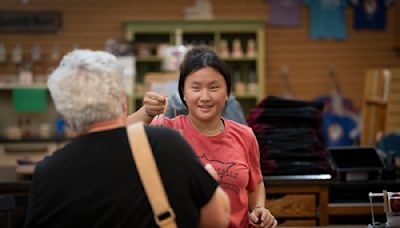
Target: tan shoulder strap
x=150 y=177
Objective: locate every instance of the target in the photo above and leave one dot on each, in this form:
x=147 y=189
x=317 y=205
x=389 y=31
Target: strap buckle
x=165 y=217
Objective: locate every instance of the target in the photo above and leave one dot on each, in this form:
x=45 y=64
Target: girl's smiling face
x=205 y=93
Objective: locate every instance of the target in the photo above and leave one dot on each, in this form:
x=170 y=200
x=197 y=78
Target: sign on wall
x=30 y=21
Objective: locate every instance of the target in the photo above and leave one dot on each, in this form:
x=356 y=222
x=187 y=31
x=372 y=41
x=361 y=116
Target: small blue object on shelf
x=60 y=126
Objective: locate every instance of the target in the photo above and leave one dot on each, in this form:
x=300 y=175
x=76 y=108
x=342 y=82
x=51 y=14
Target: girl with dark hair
x=231 y=148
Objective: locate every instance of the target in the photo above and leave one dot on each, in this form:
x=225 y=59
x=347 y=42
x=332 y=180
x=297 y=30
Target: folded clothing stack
x=289 y=133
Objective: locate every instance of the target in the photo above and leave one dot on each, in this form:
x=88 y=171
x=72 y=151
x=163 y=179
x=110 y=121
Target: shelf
x=246 y=96
x=239 y=59
x=148 y=59
x=16 y=86
x=5 y=140
x=228 y=59
x=352 y=209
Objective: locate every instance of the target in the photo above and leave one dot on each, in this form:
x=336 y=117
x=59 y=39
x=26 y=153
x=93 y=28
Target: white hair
x=86 y=87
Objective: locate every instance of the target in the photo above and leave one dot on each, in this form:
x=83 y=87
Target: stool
x=7 y=205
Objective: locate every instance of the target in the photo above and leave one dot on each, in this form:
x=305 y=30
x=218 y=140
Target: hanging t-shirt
x=328 y=19
x=235 y=155
x=337 y=129
x=370 y=14
x=284 y=12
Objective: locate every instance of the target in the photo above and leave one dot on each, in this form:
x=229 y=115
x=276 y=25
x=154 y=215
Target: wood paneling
x=293 y=205
x=309 y=60
x=393 y=104
x=397 y=31
x=89 y=23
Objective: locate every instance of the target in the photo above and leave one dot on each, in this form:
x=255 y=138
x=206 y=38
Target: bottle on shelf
x=210 y=44
x=237 y=50
x=44 y=130
x=25 y=74
x=239 y=86
x=60 y=126
x=3 y=54
x=17 y=54
x=144 y=51
x=252 y=86
x=223 y=49
x=15 y=132
x=27 y=128
x=251 y=48
x=36 y=53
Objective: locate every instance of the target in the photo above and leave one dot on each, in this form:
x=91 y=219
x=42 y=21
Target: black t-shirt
x=93 y=182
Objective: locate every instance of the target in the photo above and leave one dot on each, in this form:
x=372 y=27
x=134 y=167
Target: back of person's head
x=86 y=87
x=198 y=58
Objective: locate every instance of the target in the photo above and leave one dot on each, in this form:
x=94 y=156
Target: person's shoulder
x=57 y=158
x=240 y=132
x=238 y=126
x=176 y=98
x=232 y=99
x=232 y=102
x=49 y=162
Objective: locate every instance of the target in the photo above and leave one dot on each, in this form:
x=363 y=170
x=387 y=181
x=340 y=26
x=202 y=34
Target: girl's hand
x=262 y=217
x=154 y=103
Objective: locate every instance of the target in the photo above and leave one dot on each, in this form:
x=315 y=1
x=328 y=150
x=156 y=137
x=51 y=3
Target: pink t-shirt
x=234 y=153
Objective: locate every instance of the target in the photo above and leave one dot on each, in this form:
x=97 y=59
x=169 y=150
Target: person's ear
x=125 y=108
x=124 y=103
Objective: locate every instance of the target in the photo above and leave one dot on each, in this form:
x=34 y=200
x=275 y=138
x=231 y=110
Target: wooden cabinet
x=298 y=204
x=248 y=69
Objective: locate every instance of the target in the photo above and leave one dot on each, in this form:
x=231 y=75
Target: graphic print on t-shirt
x=227 y=178
x=370 y=7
